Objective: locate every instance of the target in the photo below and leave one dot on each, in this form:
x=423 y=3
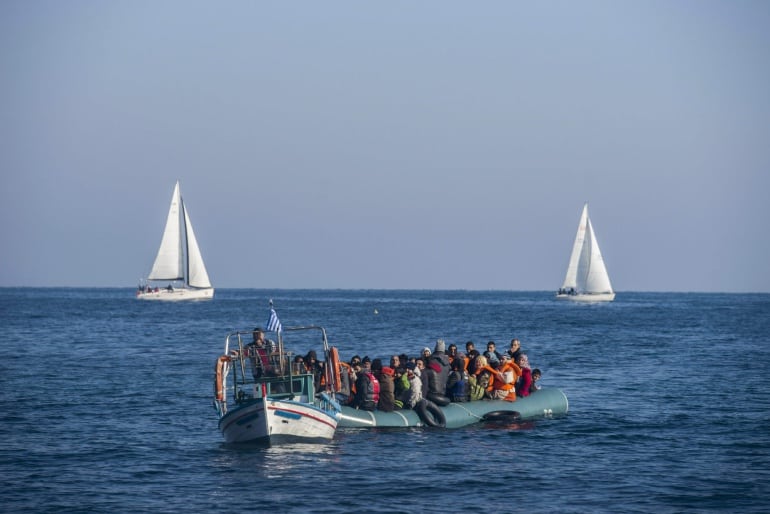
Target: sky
x=394 y=145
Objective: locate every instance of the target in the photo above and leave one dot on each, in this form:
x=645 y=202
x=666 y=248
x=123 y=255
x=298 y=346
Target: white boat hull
x=593 y=297
x=282 y=421
x=176 y=295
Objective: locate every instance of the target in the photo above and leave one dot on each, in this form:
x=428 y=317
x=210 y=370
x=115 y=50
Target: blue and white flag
x=273 y=324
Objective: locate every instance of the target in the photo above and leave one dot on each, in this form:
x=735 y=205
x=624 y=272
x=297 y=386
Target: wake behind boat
x=262 y=398
x=586 y=279
x=179 y=259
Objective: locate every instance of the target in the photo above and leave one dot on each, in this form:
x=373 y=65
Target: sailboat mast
x=184 y=242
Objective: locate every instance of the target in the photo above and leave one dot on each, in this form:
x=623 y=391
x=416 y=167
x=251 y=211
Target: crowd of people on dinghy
x=443 y=375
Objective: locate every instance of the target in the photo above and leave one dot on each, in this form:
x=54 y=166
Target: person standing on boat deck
x=258 y=354
x=492 y=355
x=314 y=367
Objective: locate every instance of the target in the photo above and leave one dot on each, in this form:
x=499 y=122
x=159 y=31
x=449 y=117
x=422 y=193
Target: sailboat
x=587 y=279
x=178 y=259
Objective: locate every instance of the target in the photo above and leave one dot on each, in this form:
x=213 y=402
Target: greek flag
x=273 y=324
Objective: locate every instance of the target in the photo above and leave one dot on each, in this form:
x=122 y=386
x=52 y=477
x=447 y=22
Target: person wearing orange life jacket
x=483 y=367
x=504 y=383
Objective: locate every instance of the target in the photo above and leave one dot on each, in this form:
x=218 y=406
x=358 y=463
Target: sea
x=107 y=405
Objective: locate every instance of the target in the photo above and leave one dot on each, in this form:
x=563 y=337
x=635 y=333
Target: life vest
x=374 y=387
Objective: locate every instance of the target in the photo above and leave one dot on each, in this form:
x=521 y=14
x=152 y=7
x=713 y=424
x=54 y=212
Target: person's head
x=452 y=350
x=469 y=347
x=536 y=374
x=491 y=346
x=366 y=362
x=420 y=363
x=376 y=365
x=426 y=352
x=395 y=361
x=458 y=364
x=522 y=360
x=355 y=361
x=259 y=336
x=311 y=358
x=410 y=369
x=440 y=346
x=515 y=344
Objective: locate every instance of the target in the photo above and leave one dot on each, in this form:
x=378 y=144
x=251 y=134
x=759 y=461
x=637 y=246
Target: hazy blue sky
x=431 y=144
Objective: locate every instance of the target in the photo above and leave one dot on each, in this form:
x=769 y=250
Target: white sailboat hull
x=176 y=295
x=593 y=297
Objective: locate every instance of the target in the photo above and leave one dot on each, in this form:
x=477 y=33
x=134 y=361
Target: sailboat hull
x=594 y=297
x=176 y=295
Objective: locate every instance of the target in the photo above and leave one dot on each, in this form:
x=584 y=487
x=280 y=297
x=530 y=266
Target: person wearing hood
x=438 y=362
x=458 y=384
x=524 y=382
x=387 y=402
x=415 y=386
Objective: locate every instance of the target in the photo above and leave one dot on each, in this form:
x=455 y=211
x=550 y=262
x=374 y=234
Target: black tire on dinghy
x=502 y=415
x=430 y=413
x=438 y=399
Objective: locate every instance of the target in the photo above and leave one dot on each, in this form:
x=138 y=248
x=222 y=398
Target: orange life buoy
x=334 y=356
x=219 y=390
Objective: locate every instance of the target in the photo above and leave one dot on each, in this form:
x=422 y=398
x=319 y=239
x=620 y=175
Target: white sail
x=196 y=270
x=570 y=280
x=586 y=278
x=596 y=279
x=168 y=263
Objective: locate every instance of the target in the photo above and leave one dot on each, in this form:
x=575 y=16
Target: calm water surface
x=107 y=406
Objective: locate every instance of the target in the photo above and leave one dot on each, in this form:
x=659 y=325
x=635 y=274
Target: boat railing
x=280 y=379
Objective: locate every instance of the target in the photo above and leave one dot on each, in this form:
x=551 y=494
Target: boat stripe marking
x=325 y=422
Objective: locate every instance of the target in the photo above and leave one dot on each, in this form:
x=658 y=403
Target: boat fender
x=430 y=413
x=439 y=399
x=334 y=356
x=502 y=415
x=219 y=375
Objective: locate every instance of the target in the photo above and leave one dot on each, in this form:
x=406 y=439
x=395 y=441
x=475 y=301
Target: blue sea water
x=106 y=406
